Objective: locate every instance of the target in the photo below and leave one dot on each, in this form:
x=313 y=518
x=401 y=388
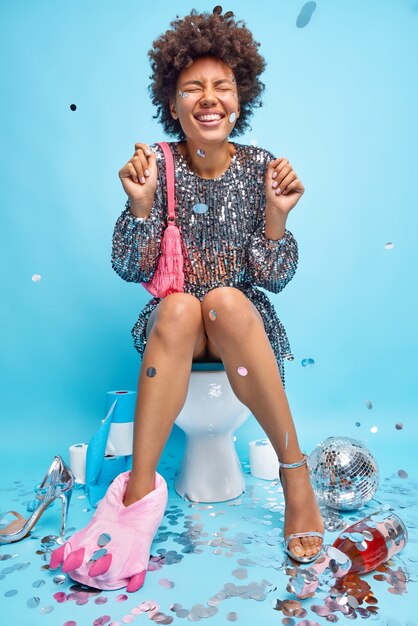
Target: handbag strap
x=169 y=168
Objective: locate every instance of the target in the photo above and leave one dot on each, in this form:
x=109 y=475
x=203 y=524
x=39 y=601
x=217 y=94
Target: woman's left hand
x=281 y=172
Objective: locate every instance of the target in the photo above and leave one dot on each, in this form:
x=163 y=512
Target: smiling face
x=208 y=85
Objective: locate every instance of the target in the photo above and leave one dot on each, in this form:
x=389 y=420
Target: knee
x=232 y=307
x=179 y=316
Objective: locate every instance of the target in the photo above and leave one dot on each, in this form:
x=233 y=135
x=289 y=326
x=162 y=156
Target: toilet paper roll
x=124 y=410
x=263 y=459
x=78 y=453
x=120 y=439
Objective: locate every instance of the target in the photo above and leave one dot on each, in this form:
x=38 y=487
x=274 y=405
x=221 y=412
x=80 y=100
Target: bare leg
x=240 y=338
x=177 y=330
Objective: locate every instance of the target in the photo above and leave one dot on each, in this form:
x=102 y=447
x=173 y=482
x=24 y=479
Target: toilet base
x=210 y=470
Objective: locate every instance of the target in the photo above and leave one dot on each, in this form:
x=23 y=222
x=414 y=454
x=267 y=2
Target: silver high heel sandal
x=313 y=533
x=57 y=483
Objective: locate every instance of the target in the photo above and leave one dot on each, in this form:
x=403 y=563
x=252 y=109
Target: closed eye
x=219 y=88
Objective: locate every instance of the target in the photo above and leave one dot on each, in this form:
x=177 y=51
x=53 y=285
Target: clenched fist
x=283 y=188
x=139 y=178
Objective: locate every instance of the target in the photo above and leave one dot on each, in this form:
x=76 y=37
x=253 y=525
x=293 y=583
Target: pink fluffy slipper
x=113 y=550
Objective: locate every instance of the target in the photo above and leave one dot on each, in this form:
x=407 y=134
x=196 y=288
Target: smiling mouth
x=212 y=122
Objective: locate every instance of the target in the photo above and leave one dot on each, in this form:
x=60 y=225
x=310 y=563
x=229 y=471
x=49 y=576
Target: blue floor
x=222 y=562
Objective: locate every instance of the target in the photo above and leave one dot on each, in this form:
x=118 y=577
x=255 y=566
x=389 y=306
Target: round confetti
x=151 y=371
x=103 y=539
x=101 y=600
x=240 y=573
x=47 y=609
x=201 y=152
x=70 y=623
x=164 y=582
x=242 y=371
x=337 y=555
x=369 y=404
x=232 y=616
x=148 y=605
x=101 y=621
x=307 y=362
x=60 y=596
x=402 y=474
x=356 y=537
x=389 y=245
x=32 y=603
x=374 y=429
x=121 y=597
x=200 y=207
x=99 y=553
x=232 y=117
x=353 y=602
x=51 y=541
x=57 y=580
x=10 y=593
x=399 y=426
x=358 y=424
x=19 y=566
x=36 y=278
x=212 y=315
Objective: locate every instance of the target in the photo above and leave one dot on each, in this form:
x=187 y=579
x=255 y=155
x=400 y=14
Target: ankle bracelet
x=297 y=464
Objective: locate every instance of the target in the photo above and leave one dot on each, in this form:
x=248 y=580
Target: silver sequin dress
x=224 y=246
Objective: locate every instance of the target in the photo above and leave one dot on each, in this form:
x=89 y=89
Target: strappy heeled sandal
x=57 y=483
x=313 y=533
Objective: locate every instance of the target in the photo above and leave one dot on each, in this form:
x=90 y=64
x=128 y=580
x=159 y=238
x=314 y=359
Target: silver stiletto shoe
x=312 y=533
x=57 y=483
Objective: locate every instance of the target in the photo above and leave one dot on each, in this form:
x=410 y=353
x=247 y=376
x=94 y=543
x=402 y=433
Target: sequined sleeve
x=272 y=262
x=136 y=242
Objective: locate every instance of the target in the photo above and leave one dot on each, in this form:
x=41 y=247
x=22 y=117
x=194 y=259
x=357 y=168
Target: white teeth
x=207 y=118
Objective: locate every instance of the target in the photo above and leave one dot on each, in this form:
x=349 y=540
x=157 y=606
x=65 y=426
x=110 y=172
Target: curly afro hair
x=198 y=35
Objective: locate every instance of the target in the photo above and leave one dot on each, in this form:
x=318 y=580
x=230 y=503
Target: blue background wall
x=340 y=104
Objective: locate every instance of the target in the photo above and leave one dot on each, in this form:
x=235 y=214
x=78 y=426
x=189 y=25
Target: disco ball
x=344 y=473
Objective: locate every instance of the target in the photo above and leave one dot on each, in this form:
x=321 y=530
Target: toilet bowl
x=210 y=470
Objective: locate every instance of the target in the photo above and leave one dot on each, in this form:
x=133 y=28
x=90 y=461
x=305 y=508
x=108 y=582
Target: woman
x=233 y=203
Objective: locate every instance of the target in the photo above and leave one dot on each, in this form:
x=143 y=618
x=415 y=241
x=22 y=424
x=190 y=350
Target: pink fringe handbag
x=168 y=277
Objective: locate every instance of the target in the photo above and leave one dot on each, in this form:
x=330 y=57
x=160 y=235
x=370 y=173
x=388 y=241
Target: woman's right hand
x=139 y=177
